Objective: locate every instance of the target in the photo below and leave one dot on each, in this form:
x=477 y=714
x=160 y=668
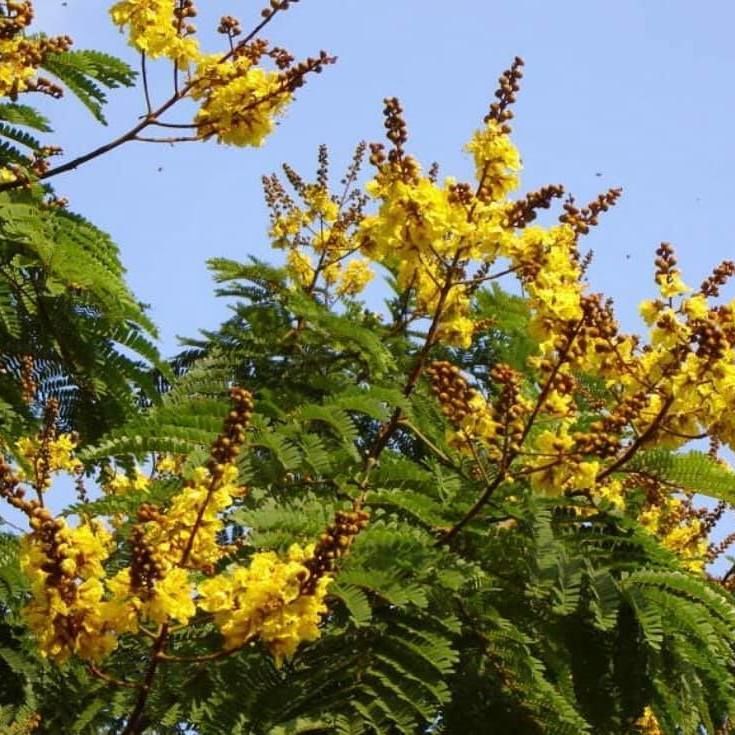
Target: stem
x=110 y=679
x=639 y=441
x=135 y=722
x=440 y=455
x=508 y=457
x=144 y=75
x=388 y=428
x=476 y=507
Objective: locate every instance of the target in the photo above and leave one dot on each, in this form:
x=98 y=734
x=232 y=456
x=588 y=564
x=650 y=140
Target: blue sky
x=634 y=93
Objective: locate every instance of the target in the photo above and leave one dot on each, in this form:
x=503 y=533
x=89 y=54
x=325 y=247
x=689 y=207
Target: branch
x=147 y=120
x=110 y=679
x=639 y=441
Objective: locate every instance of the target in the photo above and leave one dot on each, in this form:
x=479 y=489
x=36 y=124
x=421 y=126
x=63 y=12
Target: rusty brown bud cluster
x=46 y=529
x=16 y=18
x=11 y=490
x=28 y=383
x=332 y=545
x=41 y=462
x=507 y=406
x=581 y=220
x=451 y=390
x=461 y=193
x=604 y=437
x=227 y=445
x=183 y=11
x=145 y=565
x=712 y=284
x=508 y=87
x=710 y=340
x=397 y=133
x=229 y=26
x=525 y=211
x=276 y=6
x=665 y=261
x=395 y=124
x=294 y=76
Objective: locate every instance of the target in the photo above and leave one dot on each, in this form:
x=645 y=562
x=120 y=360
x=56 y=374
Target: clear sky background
x=635 y=93
x=632 y=93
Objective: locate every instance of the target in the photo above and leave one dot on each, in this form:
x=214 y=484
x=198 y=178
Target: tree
x=473 y=513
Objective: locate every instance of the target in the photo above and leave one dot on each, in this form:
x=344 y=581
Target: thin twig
x=146 y=92
x=111 y=679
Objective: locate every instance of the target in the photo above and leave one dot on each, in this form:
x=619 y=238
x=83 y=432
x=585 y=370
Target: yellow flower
x=647 y=724
x=153 y=30
x=497 y=161
x=201 y=501
x=169 y=464
x=696 y=307
x=671 y=285
x=650 y=311
x=265 y=601
x=53 y=455
x=122 y=484
x=613 y=492
x=239 y=101
x=172 y=598
x=300 y=267
x=355 y=276
x=321 y=204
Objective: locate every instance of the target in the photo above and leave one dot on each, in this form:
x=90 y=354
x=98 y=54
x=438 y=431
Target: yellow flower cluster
x=52 y=455
x=239 y=100
x=77 y=610
x=497 y=160
x=647 y=724
x=678 y=531
x=171 y=597
x=300 y=267
x=327 y=228
x=81 y=602
x=355 y=275
x=691 y=360
x=123 y=484
x=550 y=272
x=15 y=70
x=155 y=30
x=169 y=464
x=169 y=533
x=22 y=56
x=7 y=176
x=429 y=233
x=265 y=601
x=67 y=613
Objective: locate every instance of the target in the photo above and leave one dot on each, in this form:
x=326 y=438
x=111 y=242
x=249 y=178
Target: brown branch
x=144 y=75
x=216 y=656
x=98 y=673
x=640 y=440
x=134 y=725
x=508 y=457
x=170 y=140
x=388 y=428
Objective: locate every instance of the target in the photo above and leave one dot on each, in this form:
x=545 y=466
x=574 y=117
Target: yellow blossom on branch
x=239 y=100
x=157 y=30
x=265 y=600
